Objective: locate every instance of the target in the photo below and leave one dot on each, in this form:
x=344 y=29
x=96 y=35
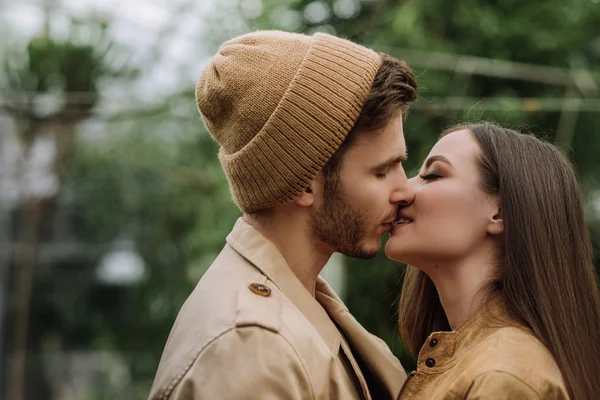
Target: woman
x=501 y=299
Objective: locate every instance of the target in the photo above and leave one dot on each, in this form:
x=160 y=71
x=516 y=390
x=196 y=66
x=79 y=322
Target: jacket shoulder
x=514 y=356
x=502 y=385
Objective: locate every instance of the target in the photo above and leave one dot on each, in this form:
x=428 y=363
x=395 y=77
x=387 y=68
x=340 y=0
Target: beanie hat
x=280 y=104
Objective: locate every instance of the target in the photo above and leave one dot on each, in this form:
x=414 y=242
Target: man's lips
x=388 y=226
x=390 y=220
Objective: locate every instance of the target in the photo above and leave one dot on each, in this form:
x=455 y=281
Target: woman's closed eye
x=430 y=176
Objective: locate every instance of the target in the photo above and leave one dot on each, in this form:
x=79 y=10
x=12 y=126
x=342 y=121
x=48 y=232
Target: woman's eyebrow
x=433 y=159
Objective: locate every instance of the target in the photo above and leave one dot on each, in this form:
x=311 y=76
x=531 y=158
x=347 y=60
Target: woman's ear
x=496 y=221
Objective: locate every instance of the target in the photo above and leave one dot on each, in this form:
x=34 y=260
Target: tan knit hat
x=280 y=104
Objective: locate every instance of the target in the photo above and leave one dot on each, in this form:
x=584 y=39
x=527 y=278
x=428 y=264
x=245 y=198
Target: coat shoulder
x=234 y=293
x=264 y=365
x=231 y=294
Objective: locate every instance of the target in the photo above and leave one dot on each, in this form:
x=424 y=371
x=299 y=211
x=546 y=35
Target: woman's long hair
x=546 y=278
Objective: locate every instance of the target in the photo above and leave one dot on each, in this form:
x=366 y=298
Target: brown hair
x=392 y=90
x=546 y=278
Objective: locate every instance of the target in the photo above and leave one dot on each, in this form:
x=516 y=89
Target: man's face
x=355 y=210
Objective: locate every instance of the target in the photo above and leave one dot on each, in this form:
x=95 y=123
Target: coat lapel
x=374 y=353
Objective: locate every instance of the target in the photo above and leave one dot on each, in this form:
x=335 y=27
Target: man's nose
x=404 y=193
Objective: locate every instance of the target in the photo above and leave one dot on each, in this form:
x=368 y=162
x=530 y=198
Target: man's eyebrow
x=433 y=159
x=392 y=161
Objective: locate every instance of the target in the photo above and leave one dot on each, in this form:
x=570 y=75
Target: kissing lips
x=401 y=220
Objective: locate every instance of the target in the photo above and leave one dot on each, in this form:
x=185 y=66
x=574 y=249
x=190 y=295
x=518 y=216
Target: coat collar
x=265 y=256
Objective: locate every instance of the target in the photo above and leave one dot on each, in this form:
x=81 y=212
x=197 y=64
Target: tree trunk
x=25 y=261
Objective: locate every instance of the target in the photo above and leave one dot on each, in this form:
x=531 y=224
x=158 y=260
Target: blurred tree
x=174 y=201
x=50 y=90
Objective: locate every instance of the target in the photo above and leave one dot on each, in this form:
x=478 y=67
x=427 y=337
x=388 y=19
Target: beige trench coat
x=250 y=330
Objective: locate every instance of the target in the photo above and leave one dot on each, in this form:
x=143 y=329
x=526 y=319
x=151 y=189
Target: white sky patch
x=40 y=181
x=593 y=202
x=28 y=18
x=135 y=24
x=121 y=267
x=317 y=12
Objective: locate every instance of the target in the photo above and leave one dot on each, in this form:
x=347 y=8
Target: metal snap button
x=260 y=289
x=433 y=342
x=430 y=362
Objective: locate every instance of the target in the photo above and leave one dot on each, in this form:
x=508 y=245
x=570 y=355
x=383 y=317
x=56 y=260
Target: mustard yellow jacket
x=489 y=357
x=250 y=330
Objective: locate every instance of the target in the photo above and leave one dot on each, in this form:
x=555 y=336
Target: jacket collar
x=450 y=345
x=264 y=255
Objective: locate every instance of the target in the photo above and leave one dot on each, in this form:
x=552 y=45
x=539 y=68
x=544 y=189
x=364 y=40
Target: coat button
x=433 y=342
x=260 y=289
x=430 y=362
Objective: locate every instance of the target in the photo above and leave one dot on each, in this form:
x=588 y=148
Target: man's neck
x=305 y=255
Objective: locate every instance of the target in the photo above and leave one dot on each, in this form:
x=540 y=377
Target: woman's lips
x=400 y=223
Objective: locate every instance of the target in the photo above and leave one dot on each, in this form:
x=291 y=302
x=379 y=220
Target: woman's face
x=451 y=218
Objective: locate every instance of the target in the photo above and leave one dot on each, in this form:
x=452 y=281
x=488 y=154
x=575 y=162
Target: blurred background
x=112 y=200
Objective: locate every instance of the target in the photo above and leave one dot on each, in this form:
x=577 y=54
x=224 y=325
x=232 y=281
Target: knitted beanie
x=280 y=104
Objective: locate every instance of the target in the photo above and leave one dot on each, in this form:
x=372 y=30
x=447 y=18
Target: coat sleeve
x=498 y=385
x=246 y=363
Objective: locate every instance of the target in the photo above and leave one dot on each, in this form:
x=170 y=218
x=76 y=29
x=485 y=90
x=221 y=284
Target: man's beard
x=341 y=225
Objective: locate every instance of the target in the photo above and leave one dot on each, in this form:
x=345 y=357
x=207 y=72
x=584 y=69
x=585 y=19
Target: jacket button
x=260 y=289
x=433 y=342
x=430 y=362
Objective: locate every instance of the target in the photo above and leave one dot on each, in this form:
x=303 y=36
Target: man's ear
x=312 y=192
x=306 y=198
x=496 y=220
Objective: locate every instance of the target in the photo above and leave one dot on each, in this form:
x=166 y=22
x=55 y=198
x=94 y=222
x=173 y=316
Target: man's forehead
x=391 y=135
x=378 y=150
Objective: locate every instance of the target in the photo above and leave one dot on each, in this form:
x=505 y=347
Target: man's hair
x=393 y=89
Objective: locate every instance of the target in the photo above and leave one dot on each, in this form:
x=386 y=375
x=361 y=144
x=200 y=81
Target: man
x=310 y=129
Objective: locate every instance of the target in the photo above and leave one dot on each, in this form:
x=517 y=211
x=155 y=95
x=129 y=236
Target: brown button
x=260 y=289
x=433 y=342
x=430 y=362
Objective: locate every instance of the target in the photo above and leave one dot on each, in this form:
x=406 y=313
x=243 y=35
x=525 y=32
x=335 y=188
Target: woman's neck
x=461 y=287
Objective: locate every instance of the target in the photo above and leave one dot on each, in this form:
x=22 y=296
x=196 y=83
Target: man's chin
x=362 y=251
x=367 y=255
